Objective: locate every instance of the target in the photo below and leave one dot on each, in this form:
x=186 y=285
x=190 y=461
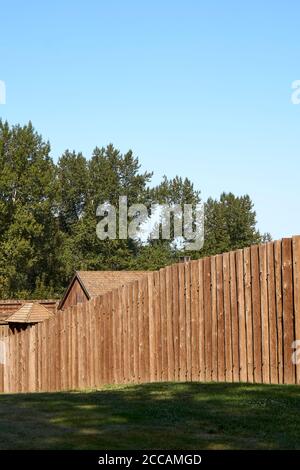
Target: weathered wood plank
x=227 y=316
x=288 y=311
x=214 y=320
x=221 y=319
x=279 y=306
x=241 y=315
x=248 y=314
x=234 y=319
x=195 y=320
x=272 y=314
x=207 y=318
x=262 y=251
x=182 y=323
x=296 y=277
x=170 y=332
x=175 y=309
x=256 y=309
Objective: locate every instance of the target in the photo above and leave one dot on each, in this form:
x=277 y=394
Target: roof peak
x=30 y=312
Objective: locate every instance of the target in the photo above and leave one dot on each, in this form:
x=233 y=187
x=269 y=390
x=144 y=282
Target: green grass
x=154 y=416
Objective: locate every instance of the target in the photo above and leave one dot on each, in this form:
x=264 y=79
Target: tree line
x=48 y=214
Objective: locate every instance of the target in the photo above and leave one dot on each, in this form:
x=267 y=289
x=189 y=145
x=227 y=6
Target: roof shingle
x=99 y=282
x=30 y=313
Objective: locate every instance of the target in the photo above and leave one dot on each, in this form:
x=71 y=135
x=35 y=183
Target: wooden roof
x=30 y=313
x=10 y=306
x=95 y=283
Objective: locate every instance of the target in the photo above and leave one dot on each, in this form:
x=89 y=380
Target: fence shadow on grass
x=157 y=416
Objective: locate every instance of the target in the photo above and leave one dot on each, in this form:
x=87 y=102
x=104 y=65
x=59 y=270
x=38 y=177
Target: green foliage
x=29 y=232
x=230 y=224
x=48 y=214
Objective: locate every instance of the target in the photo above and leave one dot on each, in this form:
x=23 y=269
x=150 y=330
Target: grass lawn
x=154 y=416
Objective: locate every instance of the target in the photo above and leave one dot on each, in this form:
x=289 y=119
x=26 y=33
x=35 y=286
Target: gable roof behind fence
x=95 y=283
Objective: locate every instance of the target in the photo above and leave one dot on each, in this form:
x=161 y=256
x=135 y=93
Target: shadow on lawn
x=160 y=416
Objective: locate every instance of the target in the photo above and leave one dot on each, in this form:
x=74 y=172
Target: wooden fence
x=230 y=317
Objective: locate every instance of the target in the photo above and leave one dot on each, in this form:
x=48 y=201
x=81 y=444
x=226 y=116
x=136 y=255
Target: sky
x=196 y=88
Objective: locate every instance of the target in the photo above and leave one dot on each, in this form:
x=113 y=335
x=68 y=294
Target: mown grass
x=154 y=416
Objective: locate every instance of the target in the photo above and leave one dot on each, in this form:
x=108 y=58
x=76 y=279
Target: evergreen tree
x=48 y=215
x=29 y=231
x=230 y=224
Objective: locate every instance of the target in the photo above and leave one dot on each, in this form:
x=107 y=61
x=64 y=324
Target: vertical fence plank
x=115 y=335
x=151 y=327
x=248 y=314
x=93 y=306
x=146 y=330
x=31 y=357
x=102 y=344
x=93 y=312
x=256 y=308
x=207 y=318
x=58 y=352
x=135 y=299
x=125 y=332
x=182 y=323
x=45 y=360
x=262 y=251
x=1 y=364
x=120 y=337
x=194 y=320
x=187 y=274
x=91 y=358
x=12 y=358
x=140 y=328
x=86 y=369
x=74 y=348
x=131 y=328
x=19 y=357
x=170 y=332
x=157 y=302
x=110 y=338
x=296 y=277
x=63 y=352
x=175 y=303
x=241 y=315
x=214 y=320
x=221 y=319
x=201 y=322
x=107 y=319
x=272 y=314
x=288 y=311
x=279 y=306
x=128 y=332
x=234 y=318
x=163 y=317
x=227 y=316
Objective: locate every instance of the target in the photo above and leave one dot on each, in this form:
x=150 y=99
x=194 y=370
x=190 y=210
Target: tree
x=48 y=215
x=230 y=224
x=84 y=186
x=176 y=191
x=73 y=189
x=29 y=233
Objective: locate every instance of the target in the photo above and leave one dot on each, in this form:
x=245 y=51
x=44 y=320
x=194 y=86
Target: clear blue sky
x=200 y=89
